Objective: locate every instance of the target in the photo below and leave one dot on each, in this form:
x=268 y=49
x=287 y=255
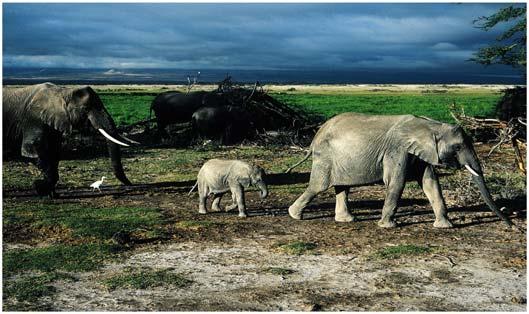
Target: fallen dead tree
x=267 y=112
x=512 y=132
x=264 y=117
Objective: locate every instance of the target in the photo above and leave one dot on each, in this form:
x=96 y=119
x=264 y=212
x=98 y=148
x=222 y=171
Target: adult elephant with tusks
x=354 y=149
x=35 y=119
x=176 y=107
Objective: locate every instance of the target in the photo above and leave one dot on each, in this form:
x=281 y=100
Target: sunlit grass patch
x=146 y=278
x=127 y=108
x=74 y=258
x=18 y=174
x=393 y=252
x=297 y=247
x=81 y=220
x=83 y=232
x=433 y=105
x=33 y=287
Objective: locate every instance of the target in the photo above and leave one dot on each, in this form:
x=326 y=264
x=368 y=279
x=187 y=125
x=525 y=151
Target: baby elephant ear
x=419 y=138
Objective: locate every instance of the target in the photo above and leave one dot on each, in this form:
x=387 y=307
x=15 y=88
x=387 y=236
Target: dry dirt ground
x=240 y=264
x=480 y=266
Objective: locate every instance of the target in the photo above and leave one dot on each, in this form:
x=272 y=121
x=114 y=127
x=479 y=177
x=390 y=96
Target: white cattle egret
x=97 y=184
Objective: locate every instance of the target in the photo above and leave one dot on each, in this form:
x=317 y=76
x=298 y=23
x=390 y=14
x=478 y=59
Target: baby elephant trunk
x=264 y=190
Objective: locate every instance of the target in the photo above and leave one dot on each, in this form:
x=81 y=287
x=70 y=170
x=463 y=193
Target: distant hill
x=479 y=75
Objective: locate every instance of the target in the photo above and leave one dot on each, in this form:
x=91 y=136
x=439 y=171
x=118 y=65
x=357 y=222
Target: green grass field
x=128 y=107
x=435 y=106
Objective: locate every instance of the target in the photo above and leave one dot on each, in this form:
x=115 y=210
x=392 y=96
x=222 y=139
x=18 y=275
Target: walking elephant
x=176 y=107
x=35 y=118
x=228 y=124
x=355 y=149
x=218 y=176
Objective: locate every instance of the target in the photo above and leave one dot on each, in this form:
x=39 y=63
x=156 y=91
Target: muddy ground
x=241 y=264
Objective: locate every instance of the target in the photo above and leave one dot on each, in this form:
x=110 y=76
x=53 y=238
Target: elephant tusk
x=471 y=170
x=105 y=134
x=129 y=140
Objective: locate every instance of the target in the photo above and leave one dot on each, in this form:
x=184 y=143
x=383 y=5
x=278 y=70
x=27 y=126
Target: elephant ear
x=419 y=137
x=80 y=101
x=50 y=107
x=244 y=182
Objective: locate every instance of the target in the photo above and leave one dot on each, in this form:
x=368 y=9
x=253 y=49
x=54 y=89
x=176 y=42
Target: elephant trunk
x=480 y=182
x=115 y=159
x=473 y=166
x=101 y=121
x=264 y=189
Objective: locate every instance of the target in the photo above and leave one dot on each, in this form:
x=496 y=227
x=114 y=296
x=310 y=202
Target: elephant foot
x=294 y=213
x=216 y=209
x=43 y=188
x=442 y=223
x=243 y=215
x=344 y=218
x=387 y=223
x=202 y=211
x=231 y=207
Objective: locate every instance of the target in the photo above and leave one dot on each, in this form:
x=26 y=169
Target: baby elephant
x=217 y=176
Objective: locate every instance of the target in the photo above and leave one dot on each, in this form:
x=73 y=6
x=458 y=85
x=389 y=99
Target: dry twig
x=512 y=131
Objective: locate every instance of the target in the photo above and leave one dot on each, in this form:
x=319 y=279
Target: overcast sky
x=243 y=36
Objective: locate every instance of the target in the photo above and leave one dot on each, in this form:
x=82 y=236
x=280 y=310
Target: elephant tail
x=301 y=161
x=151 y=108
x=150 y=115
x=193 y=188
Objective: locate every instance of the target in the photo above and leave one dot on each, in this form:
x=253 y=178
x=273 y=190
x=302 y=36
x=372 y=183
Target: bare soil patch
x=238 y=264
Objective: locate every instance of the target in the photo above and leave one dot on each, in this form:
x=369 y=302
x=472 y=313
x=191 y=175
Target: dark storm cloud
x=243 y=35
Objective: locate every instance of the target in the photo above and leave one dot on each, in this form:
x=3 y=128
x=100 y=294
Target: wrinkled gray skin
x=35 y=118
x=219 y=176
x=354 y=149
x=176 y=107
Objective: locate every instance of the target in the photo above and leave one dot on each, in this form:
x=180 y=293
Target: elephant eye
x=457 y=147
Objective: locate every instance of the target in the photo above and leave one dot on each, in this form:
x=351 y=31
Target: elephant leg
x=296 y=210
x=238 y=191
x=233 y=203
x=48 y=163
x=226 y=136
x=162 y=133
x=216 y=202
x=395 y=180
x=319 y=182
x=203 y=192
x=49 y=169
x=430 y=186
x=342 y=213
